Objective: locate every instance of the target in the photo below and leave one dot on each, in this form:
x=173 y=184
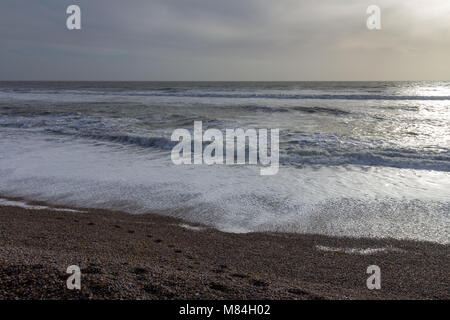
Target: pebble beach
x=124 y=256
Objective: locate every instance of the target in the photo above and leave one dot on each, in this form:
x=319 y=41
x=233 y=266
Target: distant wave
x=312 y=150
x=368 y=158
x=293 y=96
x=331 y=150
x=305 y=109
x=232 y=95
x=141 y=141
x=336 y=112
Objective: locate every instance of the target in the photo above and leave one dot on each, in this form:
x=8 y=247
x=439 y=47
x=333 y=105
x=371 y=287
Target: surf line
x=242 y=147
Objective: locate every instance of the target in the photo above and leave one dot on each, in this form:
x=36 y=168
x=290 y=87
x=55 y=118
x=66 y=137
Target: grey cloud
x=224 y=40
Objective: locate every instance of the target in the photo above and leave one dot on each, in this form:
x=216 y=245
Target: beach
x=148 y=256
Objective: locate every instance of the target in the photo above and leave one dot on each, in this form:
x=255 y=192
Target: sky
x=232 y=40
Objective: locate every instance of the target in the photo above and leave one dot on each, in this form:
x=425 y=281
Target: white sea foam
x=342 y=201
x=359 y=251
x=189 y=227
x=24 y=205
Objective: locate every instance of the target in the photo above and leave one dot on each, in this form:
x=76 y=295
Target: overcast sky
x=225 y=40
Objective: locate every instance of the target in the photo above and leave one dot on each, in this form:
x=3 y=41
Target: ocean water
x=364 y=159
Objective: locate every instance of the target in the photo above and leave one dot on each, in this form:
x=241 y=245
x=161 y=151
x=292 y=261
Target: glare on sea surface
x=427 y=124
x=427 y=89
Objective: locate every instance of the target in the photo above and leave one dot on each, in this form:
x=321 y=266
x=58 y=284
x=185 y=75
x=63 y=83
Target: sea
x=357 y=159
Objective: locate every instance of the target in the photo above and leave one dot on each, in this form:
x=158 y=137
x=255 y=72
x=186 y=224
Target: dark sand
x=125 y=256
